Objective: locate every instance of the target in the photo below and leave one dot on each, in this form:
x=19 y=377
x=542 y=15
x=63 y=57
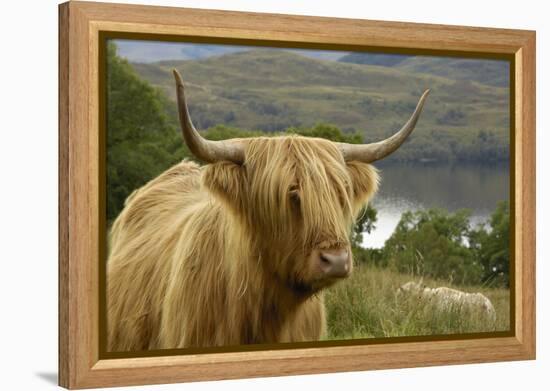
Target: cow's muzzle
x=334 y=263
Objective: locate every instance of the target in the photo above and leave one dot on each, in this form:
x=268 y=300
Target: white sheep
x=443 y=299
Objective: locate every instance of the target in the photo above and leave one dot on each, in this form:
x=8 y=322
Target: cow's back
x=141 y=245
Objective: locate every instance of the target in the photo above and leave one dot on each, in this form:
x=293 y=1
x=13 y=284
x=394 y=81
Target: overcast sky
x=152 y=51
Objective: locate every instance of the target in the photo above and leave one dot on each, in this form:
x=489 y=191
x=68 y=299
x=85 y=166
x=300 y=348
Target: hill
x=271 y=90
x=385 y=60
x=153 y=51
x=490 y=72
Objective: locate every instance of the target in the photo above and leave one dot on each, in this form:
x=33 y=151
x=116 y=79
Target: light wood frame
x=80 y=24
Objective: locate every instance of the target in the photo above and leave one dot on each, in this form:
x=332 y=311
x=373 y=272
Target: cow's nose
x=335 y=263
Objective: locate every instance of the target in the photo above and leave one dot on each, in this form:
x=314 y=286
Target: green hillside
x=489 y=72
x=272 y=90
x=382 y=59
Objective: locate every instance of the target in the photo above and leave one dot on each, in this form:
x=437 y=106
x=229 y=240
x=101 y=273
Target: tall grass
x=367 y=306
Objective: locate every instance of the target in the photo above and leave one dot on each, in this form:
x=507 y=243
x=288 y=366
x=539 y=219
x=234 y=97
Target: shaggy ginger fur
x=221 y=254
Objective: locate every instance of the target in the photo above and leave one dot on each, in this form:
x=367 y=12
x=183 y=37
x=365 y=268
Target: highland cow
x=238 y=251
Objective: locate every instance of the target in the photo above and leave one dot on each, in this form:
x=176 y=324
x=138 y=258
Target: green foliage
x=442 y=245
x=492 y=247
x=330 y=132
x=140 y=141
x=364 y=223
x=369 y=256
x=221 y=132
x=434 y=243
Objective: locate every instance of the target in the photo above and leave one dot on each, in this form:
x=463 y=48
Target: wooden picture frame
x=80 y=27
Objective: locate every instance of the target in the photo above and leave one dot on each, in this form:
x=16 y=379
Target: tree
x=329 y=132
x=493 y=247
x=364 y=223
x=222 y=132
x=140 y=141
x=433 y=243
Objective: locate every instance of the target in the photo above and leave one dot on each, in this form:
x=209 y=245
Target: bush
x=455 y=117
x=434 y=243
x=492 y=247
x=140 y=140
x=329 y=132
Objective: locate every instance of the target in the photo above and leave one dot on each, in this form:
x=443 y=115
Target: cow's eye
x=295 y=196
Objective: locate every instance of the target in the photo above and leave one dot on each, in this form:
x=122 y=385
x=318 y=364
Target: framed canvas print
x=248 y=195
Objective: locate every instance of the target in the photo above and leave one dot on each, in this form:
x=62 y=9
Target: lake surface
x=449 y=186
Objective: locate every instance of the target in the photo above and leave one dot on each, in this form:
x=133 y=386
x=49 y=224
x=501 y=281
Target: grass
x=366 y=306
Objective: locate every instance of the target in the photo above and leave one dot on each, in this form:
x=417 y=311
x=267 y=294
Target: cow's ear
x=226 y=181
x=365 y=182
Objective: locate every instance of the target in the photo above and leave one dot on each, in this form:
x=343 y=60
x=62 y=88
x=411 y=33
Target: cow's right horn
x=369 y=153
x=205 y=150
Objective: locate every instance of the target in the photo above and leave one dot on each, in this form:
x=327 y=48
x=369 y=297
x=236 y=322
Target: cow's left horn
x=369 y=153
x=206 y=150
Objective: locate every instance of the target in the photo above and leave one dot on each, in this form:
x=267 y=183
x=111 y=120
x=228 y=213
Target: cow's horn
x=205 y=150
x=368 y=153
